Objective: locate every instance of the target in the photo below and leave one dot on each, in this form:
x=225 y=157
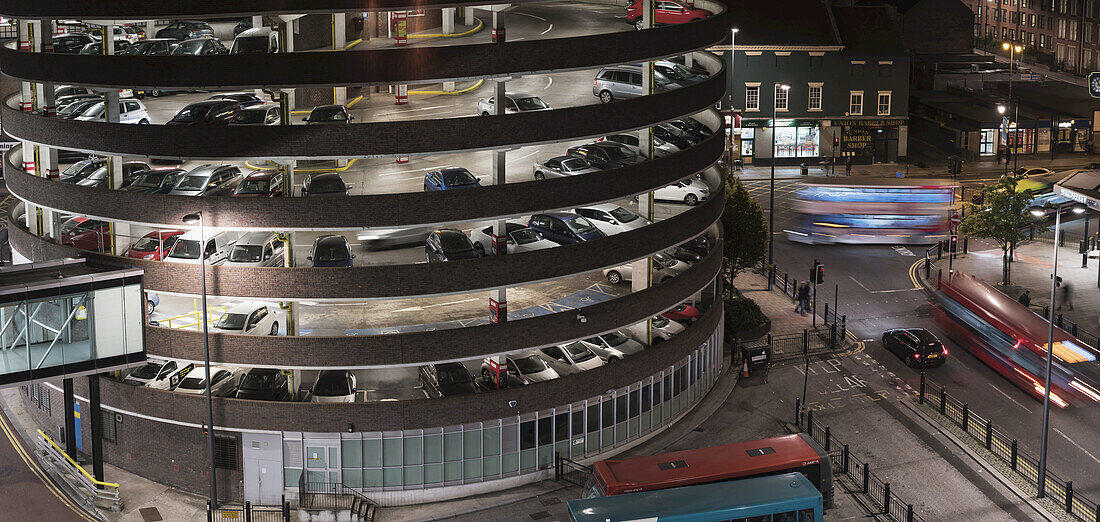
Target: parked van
x=257 y=249
x=620 y=82
x=218 y=243
x=256 y=40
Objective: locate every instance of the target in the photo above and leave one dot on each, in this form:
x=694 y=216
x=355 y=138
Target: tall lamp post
x=1001 y=111
x=1013 y=50
x=191 y=219
x=771 y=193
x=733 y=57
x=1039 y=211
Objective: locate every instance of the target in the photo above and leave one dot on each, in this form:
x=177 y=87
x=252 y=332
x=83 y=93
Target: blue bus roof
x=715 y=501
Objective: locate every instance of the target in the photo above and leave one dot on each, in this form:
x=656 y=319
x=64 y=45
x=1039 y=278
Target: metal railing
x=249 y=513
x=564 y=465
x=1008 y=450
x=192 y=319
x=783 y=282
x=854 y=474
x=327 y=495
x=94 y=490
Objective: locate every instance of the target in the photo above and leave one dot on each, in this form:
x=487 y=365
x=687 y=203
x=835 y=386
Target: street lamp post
x=1039 y=211
x=1012 y=51
x=771 y=193
x=1001 y=111
x=191 y=219
x=733 y=57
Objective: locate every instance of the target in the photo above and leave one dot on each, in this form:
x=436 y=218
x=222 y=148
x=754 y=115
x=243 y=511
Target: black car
x=71 y=43
x=326 y=184
x=264 y=384
x=73 y=156
x=244 y=25
x=685 y=255
x=447 y=379
x=151 y=47
x=81 y=169
x=330 y=250
x=1093 y=166
x=328 y=114
x=692 y=128
x=209 y=112
x=184 y=30
x=673 y=135
x=97 y=47
x=131 y=171
x=699 y=245
x=916 y=346
x=156 y=181
x=606 y=154
x=448 y=244
x=244 y=99
x=75 y=109
x=200 y=47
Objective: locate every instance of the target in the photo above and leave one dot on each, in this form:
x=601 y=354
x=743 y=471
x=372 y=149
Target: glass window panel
x=527 y=459
x=527 y=435
x=414 y=451
x=607 y=436
x=372 y=453
x=646 y=397
x=353 y=478
x=646 y=421
x=608 y=413
x=561 y=427
x=509 y=463
x=372 y=478
x=414 y=475
x=492 y=466
x=110 y=328
x=452 y=447
x=452 y=471
x=392 y=477
x=490 y=441
x=433 y=473
x=785 y=142
x=315 y=457
x=334 y=457
x=546 y=456
x=546 y=431
x=578 y=423
x=291 y=477
x=509 y=438
x=471 y=469
x=635 y=406
x=593 y=417
x=620 y=408
x=471 y=444
x=668 y=387
x=391 y=452
x=632 y=427
x=433 y=449
x=352 y=452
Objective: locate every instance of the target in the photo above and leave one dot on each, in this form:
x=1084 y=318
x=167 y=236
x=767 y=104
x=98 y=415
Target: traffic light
x=819 y=273
x=953 y=245
x=836 y=141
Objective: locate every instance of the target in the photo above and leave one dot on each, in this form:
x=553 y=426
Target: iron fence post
x=826 y=319
x=920 y=399
x=866 y=477
x=966 y=244
x=1059 y=320
x=989 y=435
x=247 y=511
x=209 y=512
x=1074 y=330
x=846 y=458
x=1046 y=311
x=966 y=417
x=1031 y=232
x=1096 y=515
x=828 y=438
x=805 y=341
x=557 y=467
x=784 y=282
x=286 y=510
x=886 y=498
x=943 y=400
x=927 y=265
x=832 y=334
x=909 y=513
x=843 y=326
x=810 y=422
x=939 y=251
x=1012 y=457
x=798 y=412
x=1069 y=496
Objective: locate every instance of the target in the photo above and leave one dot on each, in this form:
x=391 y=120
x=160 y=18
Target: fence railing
x=1008 y=450
x=855 y=474
x=564 y=465
x=788 y=285
x=74 y=474
x=329 y=495
x=249 y=513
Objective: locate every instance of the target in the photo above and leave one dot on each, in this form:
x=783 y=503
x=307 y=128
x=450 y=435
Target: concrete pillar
x=288 y=47
x=501 y=363
x=500 y=230
x=288 y=179
x=47 y=35
x=121 y=238
x=689 y=60
x=288 y=250
x=292 y=311
x=111 y=114
x=498 y=305
x=34 y=219
x=257 y=21
x=498 y=27
x=28 y=151
x=469 y=14
x=96 y=417
x=339 y=40
x=448 y=20
x=642 y=269
x=109 y=39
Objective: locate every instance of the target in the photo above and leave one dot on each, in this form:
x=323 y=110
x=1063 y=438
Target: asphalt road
x=27 y=493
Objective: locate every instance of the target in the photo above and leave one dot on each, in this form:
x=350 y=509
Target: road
x=29 y=494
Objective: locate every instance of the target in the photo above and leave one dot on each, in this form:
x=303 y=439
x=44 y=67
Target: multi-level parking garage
x=392 y=321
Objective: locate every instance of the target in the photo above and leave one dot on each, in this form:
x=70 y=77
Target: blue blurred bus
x=789 y=497
x=872 y=210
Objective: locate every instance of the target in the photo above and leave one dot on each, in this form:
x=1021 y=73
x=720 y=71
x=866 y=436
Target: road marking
x=396 y=172
x=903 y=251
x=548 y=29
x=1071 y=441
x=531 y=16
x=421 y=308
x=549 y=82
x=526 y=155
x=881 y=291
x=38 y=471
x=1007 y=396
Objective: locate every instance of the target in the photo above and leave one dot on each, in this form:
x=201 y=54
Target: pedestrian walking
x=848 y=166
x=1067 y=303
x=803 y=299
x=1025 y=298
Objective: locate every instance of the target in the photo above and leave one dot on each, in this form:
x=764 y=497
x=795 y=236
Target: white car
x=571 y=358
x=663 y=330
x=154 y=370
x=333 y=386
x=516 y=102
x=661 y=148
x=380 y=238
x=611 y=218
x=521 y=238
x=613 y=346
x=663 y=263
x=224 y=379
x=248 y=319
x=688 y=191
x=129 y=111
x=528 y=367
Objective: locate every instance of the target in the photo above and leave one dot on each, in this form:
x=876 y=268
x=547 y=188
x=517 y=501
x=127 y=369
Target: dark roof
x=789 y=22
x=868 y=30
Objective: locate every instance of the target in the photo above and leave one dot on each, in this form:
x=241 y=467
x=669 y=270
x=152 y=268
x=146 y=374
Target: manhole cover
x=550 y=501
x=150 y=514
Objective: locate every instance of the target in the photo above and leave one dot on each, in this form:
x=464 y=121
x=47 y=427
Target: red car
x=667 y=12
x=684 y=314
x=262 y=183
x=86 y=234
x=154 y=245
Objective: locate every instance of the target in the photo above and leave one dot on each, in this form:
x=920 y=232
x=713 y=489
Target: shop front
x=872 y=140
x=796 y=141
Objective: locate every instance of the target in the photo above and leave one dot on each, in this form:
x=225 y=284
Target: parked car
x=152 y=300
x=684 y=255
x=1025 y=172
x=257 y=249
x=620 y=82
x=447 y=379
x=381 y=238
x=514 y=102
x=606 y=154
x=81 y=169
x=86 y=234
x=77 y=107
x=258 y=115
x=223 y=379
x=131 y=171
x=448 y=244
x=154 y=245
x=450 y=178
x=674 y=136
x=62 y=91
x=666 y=265
x=661 y=148
x=564 y=228
x=216 y=250
x=73 y=156
x=688 y=191
x=248 y=318
x=186 y=29
x=151 y=47
x=63 y=102
x=208 y=112
x=330 y=250
x=611 y=219
x=691 y=127
x=264 y=384
x=260 y=183
x=333 y=386
x=173 y=379
x=611 y=344
x=667 y=12
x=71 y=43
x=677 y=72
x=918 y=347
x=570 y=358
x=208 y=180
x=245 y=24
x=202 y=46
x=256 y=40
x=129 y=111
x=526 y=367
x=521 y=238
x=325 y=184
x=328 y=114
x=97 y=47
x=130 y=33
x=154 y=370
x=156 y=181
x=699 y=245
x=562 y=166
x=244 y=99
x=683 y=313
x=662 y=330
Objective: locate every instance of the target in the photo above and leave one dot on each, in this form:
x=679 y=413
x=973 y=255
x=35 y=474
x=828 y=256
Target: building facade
x=1066 y=31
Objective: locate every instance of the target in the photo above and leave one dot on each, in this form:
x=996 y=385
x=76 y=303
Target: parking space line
x=1071 y=441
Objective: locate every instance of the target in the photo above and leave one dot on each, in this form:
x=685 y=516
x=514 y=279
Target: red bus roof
x=697 y=466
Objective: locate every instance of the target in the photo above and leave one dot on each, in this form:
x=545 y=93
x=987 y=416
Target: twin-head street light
x=1039 y=211
x=192 y=219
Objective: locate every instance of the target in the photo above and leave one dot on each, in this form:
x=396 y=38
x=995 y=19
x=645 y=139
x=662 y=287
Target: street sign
x=1094 y=84
x=955 y=220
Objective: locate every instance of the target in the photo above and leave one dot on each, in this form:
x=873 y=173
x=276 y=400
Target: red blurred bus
x=758 y=458
x=1011 y=339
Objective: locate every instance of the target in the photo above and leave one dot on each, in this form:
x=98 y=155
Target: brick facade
x=1068 y=31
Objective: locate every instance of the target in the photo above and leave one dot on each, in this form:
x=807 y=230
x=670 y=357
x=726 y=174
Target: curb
x=993 y=472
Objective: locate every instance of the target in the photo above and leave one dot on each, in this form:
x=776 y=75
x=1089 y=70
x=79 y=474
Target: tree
x=1001 y=217
x=746 y=232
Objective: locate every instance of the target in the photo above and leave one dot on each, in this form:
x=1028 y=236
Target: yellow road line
x=451 y=93
x=480 y=25
x=913 y=273
x=33 y=466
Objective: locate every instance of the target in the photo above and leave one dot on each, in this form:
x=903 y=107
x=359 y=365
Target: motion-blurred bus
x=872 y=210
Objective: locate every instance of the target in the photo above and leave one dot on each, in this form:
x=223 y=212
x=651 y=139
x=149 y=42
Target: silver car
x=562 y=166
x=620 y=82
x=613 y=346
x=521 y=238
x=208 y=180
x=379 y=238
x=661 y=148
x=663 y=330
x=528 y=367
x=515 y=102
x=258 y=115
